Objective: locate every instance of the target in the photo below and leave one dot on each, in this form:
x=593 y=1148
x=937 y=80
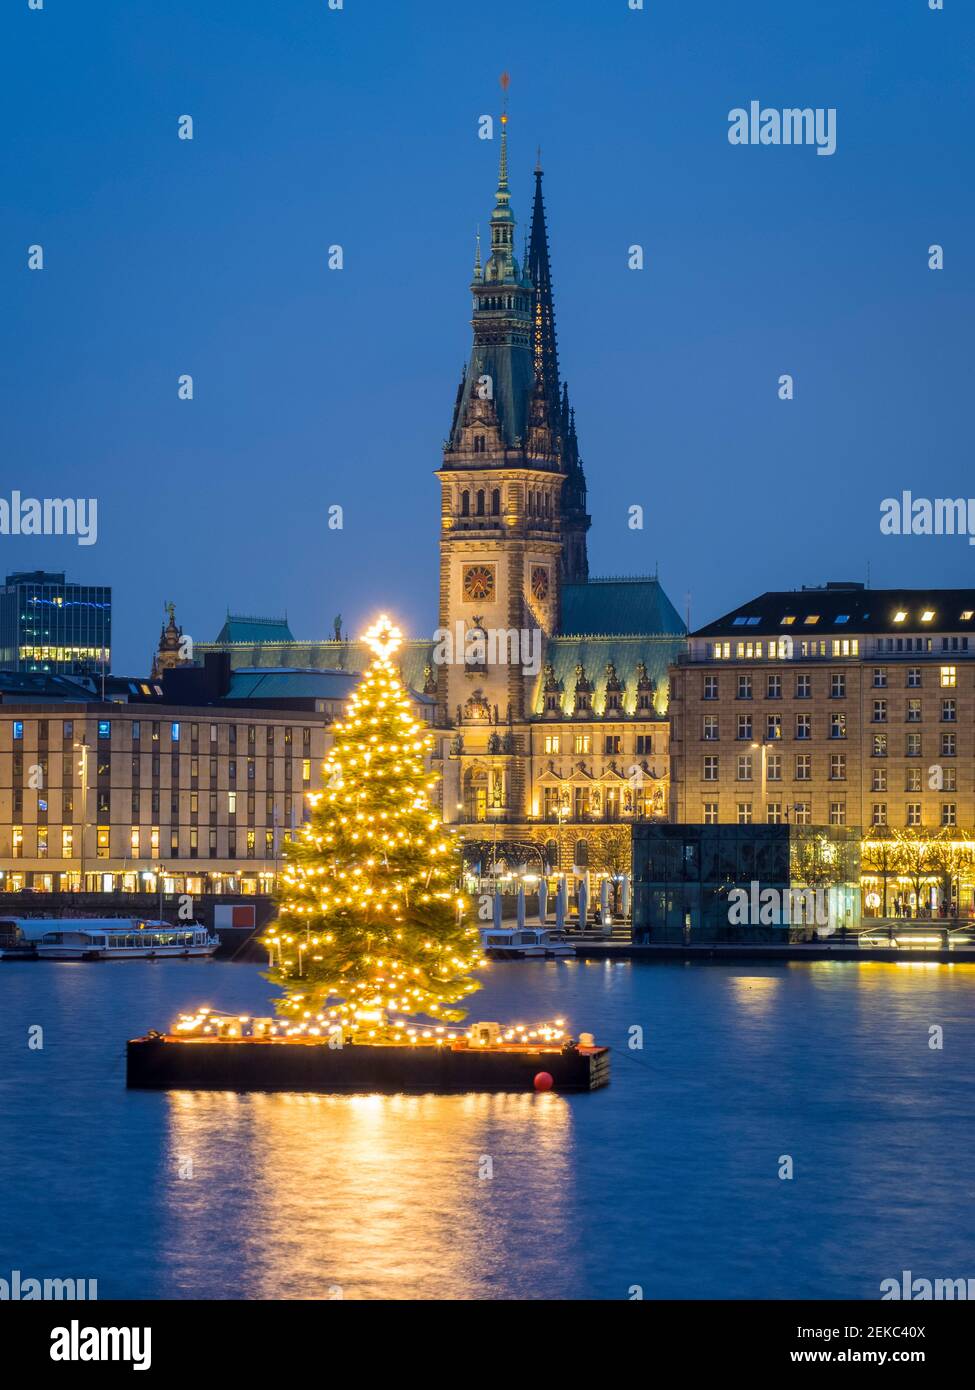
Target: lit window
x=968 y=615
x=18 y=728
x=175 y=731
x=810 y=619
x=927 y=615
x=788 y=620
x=949 y=676
x=842 y=618
x=232 y=802
x=900 y=616
x=104 y=728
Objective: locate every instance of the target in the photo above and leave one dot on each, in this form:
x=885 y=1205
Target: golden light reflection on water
x=896 y=975
x=755 y=992
x=362 y=1196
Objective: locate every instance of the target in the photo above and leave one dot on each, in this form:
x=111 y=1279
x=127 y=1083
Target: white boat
x=524 y=943
x=105 y=938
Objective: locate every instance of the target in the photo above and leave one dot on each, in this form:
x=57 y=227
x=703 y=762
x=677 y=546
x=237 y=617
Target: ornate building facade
x=550 y=689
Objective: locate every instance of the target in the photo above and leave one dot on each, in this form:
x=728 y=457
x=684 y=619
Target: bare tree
x=610 y=854
x=879 y=855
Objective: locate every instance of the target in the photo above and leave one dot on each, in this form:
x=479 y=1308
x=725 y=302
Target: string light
x=209 y=1024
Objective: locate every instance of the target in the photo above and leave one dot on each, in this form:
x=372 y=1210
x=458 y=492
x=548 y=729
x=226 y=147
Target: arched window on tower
x=480 y=502
x=465 y=503
x=496 y=502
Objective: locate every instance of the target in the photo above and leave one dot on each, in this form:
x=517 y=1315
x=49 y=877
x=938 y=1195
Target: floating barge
x=167 y=1062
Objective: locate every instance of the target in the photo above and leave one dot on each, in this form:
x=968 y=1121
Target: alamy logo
x=77 y=1343
x=792 y=126
x=756 y=906
x=492 y=646
x=50 y=516
x=908 y=515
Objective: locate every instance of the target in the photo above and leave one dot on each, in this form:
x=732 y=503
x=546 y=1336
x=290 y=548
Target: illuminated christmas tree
x=370 y=919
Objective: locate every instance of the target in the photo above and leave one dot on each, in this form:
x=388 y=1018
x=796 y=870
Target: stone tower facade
x=513 y=520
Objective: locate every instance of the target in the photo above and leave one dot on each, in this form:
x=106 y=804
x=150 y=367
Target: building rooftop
x=242 y=628
x=619 y=608
x=287 y=684
x=594 y=654
x=837 y=609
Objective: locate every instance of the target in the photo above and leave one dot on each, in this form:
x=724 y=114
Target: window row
x=146 y=843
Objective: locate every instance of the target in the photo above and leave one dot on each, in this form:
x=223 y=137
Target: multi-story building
x=196 y=780
x=48 y=624
x=836 y=706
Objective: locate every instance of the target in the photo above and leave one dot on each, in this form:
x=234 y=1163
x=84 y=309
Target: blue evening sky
x=315 y=388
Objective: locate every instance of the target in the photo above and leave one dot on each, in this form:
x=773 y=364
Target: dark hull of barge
x=167 y=1063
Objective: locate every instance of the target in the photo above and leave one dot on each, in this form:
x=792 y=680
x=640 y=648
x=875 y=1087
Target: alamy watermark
x=908 y=515
x=21 y=1288
x=50 y=516
x=756 y=906
x=791 y=126
x=494 y=646
x=922 y=1290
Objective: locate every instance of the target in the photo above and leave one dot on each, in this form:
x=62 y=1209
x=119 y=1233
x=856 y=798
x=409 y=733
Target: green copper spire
x=502 y=265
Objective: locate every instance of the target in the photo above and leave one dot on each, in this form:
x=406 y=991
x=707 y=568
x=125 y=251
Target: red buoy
x=543 y=1081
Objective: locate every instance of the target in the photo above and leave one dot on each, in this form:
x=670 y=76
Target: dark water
x=667 y=1180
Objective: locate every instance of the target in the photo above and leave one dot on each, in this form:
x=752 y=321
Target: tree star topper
x=383 y=637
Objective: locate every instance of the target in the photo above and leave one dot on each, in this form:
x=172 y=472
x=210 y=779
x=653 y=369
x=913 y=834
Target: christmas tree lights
x=370 y=920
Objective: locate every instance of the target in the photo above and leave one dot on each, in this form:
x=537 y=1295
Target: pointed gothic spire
x=545 y=348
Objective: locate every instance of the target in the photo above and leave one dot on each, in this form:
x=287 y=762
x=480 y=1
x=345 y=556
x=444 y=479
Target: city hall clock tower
x=513 y=501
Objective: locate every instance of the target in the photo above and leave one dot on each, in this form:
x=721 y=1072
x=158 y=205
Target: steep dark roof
x=843 y=609
x=238 y=628
x=619 y=608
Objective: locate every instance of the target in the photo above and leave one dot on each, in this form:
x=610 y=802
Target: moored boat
x=525 y=943
x=107 y=938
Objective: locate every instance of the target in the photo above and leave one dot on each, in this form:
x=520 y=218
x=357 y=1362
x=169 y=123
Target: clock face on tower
x=540 y=581
x=478 y=582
